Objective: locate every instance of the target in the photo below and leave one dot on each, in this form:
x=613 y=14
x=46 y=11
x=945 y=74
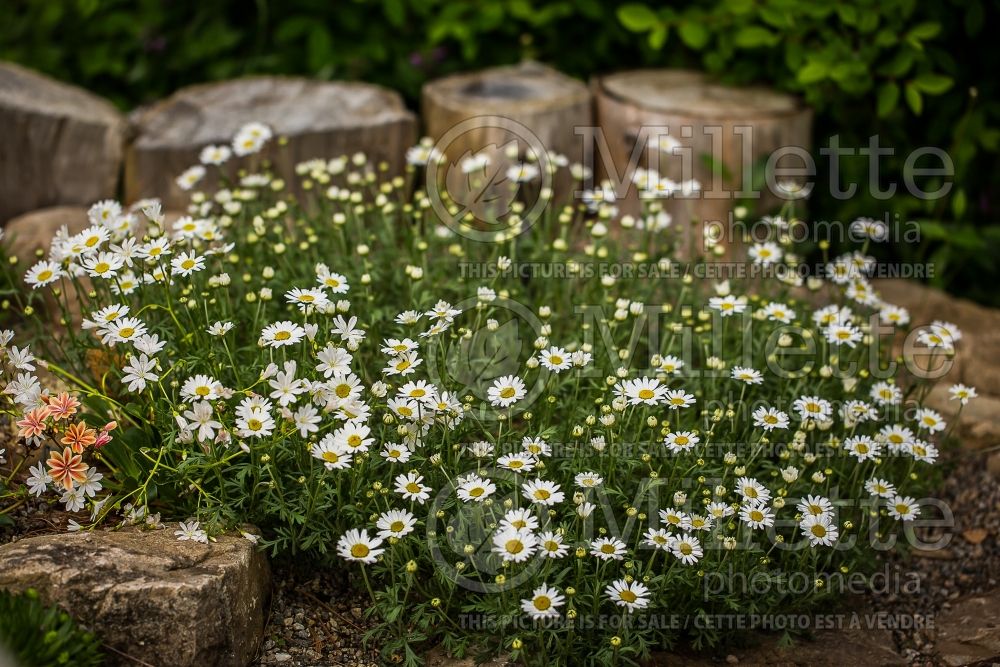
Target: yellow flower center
x=818 y=530
x=413 y=487
x=542 y=602
x=628 y=596
x=757 y=516
x=514 y=546
x=646 y=394
x=397 y=526
x=283 y=335
x=359 y=550
x=44 y=275
x=507 y=392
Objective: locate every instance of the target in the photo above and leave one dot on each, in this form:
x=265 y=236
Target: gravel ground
x=313 y=622
x=968 y=565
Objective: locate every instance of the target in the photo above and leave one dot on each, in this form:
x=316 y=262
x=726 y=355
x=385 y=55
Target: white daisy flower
x=819 y=530
x=395 y=523
x=506 y=391
x=903 y=508
x=681 y=441
x=475 y=489
x=629 y=594
x=757 y=515
x=411 y=487
x=608 y=548
x=687 y=549
x=542 y=492
x=543 y=603
x=514 y=545
x=747 y=375
x=962 y=393
x=282 y=334
x=550 y=545
x=356 y=545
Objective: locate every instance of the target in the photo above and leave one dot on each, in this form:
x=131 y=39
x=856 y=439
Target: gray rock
x=148 y=596
x=970 y=631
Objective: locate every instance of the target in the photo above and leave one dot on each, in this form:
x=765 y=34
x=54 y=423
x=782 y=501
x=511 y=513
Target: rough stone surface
x=978 y=358
x=969 y=633
x=320 y=119
x=148 y=596
x=34 y=231
x=59 y=144
x=979 y=422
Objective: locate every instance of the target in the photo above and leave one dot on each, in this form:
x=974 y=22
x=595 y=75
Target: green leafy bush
x=42 y=636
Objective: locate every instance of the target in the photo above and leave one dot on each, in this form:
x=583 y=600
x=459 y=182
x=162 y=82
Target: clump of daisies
x=514 y=446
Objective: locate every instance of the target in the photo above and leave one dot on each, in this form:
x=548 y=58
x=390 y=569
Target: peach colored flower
x=33 y=424
x=79 y=436
x=67 y=468
x=63 y=406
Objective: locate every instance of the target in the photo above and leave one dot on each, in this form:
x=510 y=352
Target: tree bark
x=547 y=102
x=59 y=145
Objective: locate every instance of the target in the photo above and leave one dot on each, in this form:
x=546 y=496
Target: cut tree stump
x=734 y=128
x=320 y=119
x=546 y=102
x=59 y=145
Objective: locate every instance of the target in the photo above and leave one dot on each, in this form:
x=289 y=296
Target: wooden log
x=546 y=102
x=320 y=119
x=59 y=145
x=736 y=127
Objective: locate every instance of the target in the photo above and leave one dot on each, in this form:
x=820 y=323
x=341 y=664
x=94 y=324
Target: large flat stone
x=148 y=596
x=978 y=353
x=970 y=631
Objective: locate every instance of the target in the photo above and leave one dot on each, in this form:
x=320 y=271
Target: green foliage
x=40 y=636
x=914 y=73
